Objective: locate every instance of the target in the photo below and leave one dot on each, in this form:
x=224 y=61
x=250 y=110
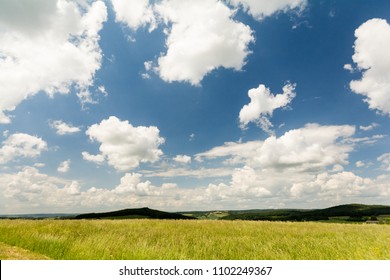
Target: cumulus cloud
x=131 y=183
x=64 y=166
x=63 y=128
x=360 y=163
x=201 y=41
x=54 y=50
x=98 y=159
x=262 y=105
x=182 y=159
x=123 y=145
x=372 y=57
x=260 y=9
x=303 y=167
x=30 y=191
x=21 y=145
x=250 y=187
x=337 y=186
x=14 y=15
x=134 y=13
x=245 y=181
x=385 y=160
x=312 y=147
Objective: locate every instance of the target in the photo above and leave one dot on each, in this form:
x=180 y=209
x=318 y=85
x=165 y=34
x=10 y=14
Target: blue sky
x=189 y=105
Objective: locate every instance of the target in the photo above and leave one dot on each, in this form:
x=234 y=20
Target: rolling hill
x=348 y=212
x=136 y=213
x=340 y=213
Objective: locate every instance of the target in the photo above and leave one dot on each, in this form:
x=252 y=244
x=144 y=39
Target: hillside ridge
x=128 y=213
x=347 y=212
x=343 y=213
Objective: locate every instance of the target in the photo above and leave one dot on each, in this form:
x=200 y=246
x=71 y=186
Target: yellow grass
x=8 y=252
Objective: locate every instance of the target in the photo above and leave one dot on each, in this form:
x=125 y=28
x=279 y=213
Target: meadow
x=191 y=239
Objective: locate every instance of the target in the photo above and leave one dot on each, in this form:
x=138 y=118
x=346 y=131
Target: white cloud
x=47 y=46
x=252 y=187
x=131 y=183
x=312 y=147
x=260 y=9
x=337 y=168
x=134 y=13
x=337 y=187
x=103 y=90
x=85 y=97
x=21 y=145
x=148 y=65
x=30 y=191
x=182 y=159
x=14 y=15
x=123 y=145
x=245 y=181
x=200 y=173
x=63 y=128
x=64 y=166
x=262 y=105
x=349 y=67
x=360 y=163
x=385 y=159
x=148 y=68
x=369 y=127
x=145 y=76
x=98 y=159
x=372 y=56
x=198 y=42
x=33 y=192
x=240 y=151
x=367 y=140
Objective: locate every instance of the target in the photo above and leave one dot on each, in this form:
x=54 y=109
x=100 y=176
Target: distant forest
x=341 y=213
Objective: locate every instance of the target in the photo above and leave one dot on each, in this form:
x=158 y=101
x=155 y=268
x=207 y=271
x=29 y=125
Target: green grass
x=190 y=239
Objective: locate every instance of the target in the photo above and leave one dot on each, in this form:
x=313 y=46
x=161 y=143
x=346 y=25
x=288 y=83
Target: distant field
x=190 y=239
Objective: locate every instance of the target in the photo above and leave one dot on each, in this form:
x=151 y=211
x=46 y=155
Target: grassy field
x=205 y=240
x=8 y=252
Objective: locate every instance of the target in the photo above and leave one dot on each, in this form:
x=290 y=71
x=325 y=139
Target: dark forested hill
x=136 y=213
x=348 y=212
